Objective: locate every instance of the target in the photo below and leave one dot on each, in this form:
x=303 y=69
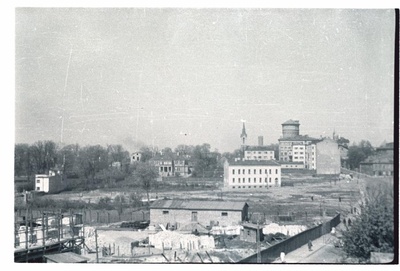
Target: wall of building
x=328 y=157
x=259 y=155
x=42 y=183
x=204 y=217
x=250 y=235
x=253 y=177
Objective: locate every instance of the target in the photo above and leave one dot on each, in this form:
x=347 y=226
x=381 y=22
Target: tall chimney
x=260 y=141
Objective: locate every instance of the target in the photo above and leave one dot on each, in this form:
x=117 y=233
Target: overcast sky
x=190 y=76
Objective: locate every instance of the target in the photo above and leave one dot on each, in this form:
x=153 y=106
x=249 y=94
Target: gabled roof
x=254 y=163
x=199 y=205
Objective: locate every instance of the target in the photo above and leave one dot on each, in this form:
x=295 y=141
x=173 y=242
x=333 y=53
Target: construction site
x=289 y=215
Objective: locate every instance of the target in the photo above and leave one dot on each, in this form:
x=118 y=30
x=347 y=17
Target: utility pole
x=258 y=243
x=97 y=248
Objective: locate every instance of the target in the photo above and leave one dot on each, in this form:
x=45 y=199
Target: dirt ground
x=308 y=199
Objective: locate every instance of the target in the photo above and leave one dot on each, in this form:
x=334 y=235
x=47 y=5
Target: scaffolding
x=47 y=232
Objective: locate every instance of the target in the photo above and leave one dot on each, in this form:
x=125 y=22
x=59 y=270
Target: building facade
x=207 y=213
x=298 y=149
x=50 y=183
x=328 y=157
x=244 y=175
x=259 y=153
x=380 y=164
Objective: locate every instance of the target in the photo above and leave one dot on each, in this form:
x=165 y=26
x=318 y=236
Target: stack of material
x=228 y=230
x=175 y=240
x=289 y=230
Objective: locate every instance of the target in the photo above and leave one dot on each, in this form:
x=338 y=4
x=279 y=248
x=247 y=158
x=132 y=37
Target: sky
x=169 y=76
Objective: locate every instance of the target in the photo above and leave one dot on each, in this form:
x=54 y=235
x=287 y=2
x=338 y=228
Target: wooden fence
x=272 y=253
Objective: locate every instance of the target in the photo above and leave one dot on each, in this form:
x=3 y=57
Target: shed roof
x=199 y=205
x=66 y=257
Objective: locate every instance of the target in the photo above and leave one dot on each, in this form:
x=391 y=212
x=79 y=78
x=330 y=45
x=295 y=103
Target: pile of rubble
x=174 y=240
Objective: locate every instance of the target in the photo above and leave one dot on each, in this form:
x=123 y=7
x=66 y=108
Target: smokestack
x=260 y=141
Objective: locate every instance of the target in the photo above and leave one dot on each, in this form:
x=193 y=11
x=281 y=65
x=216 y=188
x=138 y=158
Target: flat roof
x=66 y=257
x=199 y=205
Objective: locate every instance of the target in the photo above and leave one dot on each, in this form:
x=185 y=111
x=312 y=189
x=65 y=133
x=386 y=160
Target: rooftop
x=254 y=163
x=258 y=148
x=199 y=205
x=291 y=122
x=66 y=257
x=299 y=138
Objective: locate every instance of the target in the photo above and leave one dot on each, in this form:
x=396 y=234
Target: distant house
x=50 y=183
x=259 y=153
x=251 y=232
x=172 y=165
x=136 y=157
x=380 y=164
x=207 y=213
x=250 y=174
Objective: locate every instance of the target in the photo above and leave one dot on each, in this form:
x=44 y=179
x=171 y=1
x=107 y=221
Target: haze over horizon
x=170 y=76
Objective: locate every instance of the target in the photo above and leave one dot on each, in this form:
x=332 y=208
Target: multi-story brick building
x=243 y=175
x=207 y=213
x=259 y=153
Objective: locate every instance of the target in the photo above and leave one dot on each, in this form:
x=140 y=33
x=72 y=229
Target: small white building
x=49 y=183
x=244 y=175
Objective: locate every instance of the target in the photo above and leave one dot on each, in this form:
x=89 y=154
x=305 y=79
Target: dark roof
x=254 y=163
x=66 y=257
x=299 y=138
x=199 y=205
x=258 y=148
x=292 y=122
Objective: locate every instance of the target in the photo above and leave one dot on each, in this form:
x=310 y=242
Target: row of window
x=259 y=152
x=255 y=180
x=255 y=186
x=254 y=171
x=298 y=152
x=260 y=157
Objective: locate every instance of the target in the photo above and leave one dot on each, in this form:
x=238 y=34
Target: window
x=266 y=171
x=260 y=180
x=239 y=186
x=233 y=180
x=255 y=171
x=249 y=171
x=249 y=180
x=248 y=232
x=270 y=171
x=37 y=188
x=165 y=212
x=238 y=171
x=260 y=171
x=37 y=181
x=224 y=214
x=239 y=180
x=255 y=180
x=265 y=179
x=233 y=171
x=233 y=186
x=270 y=179
x=276 y=171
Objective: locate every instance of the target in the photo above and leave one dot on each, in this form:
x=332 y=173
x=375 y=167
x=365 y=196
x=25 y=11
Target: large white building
x=244 y=175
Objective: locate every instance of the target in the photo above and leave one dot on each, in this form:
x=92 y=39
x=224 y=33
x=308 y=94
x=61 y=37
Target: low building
x=259 y=153
x=50 y=183
x=378 y=165
x=136 y=157
x=291 y=165
x=178 y=213
x=172 y=165
x=243 y=175
x=251 y=233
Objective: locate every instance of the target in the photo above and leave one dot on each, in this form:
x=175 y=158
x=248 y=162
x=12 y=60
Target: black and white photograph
x=223 y=135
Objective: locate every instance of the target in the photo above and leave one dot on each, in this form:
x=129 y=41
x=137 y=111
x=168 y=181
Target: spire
x=243 y=136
